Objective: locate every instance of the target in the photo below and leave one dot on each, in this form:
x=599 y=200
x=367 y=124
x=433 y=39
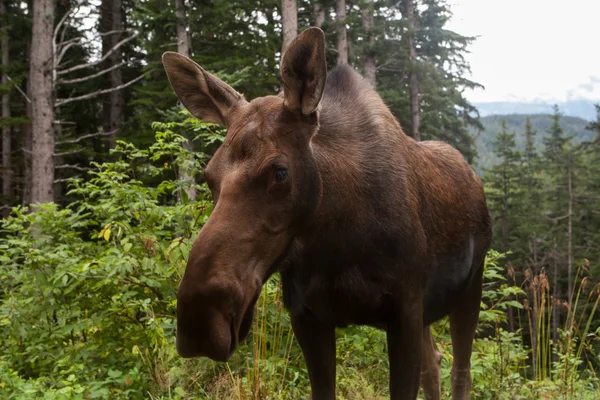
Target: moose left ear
x=203 y=94
x=304 y=71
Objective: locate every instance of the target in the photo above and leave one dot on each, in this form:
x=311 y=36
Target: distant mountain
x=577 y=108
x=573 y=126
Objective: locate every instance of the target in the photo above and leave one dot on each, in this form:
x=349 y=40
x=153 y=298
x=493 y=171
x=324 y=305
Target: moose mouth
x=215 y=336
x=244 y=326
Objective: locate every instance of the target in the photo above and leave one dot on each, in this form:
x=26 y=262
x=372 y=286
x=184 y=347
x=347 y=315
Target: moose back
x=365 y=225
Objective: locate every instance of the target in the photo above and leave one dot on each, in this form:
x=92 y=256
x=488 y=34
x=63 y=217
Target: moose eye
x=281 y=175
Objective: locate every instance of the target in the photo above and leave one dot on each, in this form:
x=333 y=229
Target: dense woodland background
x=102 y=194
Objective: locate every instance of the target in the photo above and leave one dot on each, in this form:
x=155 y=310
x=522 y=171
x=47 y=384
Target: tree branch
x=66 y=153
x=85 y=78
x=66 y=179
x=79 y=139
x=61 y=102
x=77 y=167
x=104 y=57
x=100 y=34
x=18 y=88
x=65 y=46
x=60 y=24
x=556 y=219
x=62 y=53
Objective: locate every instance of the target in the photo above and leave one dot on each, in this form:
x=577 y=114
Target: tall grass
x=267 y=373
x=569 y=356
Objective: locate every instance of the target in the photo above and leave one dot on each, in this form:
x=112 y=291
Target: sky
x=531 y=50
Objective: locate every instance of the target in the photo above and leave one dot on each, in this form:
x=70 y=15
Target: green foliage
x=92 y=286
x=502 y=183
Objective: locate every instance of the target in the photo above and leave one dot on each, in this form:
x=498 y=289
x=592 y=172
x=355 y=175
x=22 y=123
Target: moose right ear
x=304 y=71
x=204 y=95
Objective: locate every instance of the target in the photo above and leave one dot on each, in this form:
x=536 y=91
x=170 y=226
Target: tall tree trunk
x=41 y=76
x=318 y=14
x=183 y=43
x=413 y=84
x=369 y=67
x=555 y=300
x=534 y=308
x=183 y=47
x=26 y=149
x=570 y=235
x=505 y=195
x=111 y=19
x=505 y=226
x=289 y=20
x=342 y=37
x=6 y=131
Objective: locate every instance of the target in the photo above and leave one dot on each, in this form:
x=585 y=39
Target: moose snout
x=203 y=330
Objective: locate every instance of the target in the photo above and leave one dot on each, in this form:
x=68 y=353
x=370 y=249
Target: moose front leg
x=317 y=341
x=404 y=336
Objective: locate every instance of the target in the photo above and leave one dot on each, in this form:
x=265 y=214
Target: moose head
x=266 y=187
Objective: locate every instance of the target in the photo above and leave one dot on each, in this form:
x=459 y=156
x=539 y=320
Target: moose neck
x=360 y=153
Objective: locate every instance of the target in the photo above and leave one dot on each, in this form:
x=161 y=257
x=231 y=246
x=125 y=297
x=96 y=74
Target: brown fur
x=369 y=227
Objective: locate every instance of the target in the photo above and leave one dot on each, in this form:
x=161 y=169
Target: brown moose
x=365 y=225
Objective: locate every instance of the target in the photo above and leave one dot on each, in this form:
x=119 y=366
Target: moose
x=365 y=225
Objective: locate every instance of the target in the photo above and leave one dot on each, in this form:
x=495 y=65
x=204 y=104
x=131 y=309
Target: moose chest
x=358 y=287
x=342 y=288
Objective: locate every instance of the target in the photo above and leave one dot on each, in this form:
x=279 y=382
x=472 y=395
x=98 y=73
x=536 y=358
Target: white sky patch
x=531 y=50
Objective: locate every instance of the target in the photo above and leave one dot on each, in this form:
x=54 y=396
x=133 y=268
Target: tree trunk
x=413 y=84
x=342 y=38
x=183 y=47
x=369 y=67
x=505 y=226
x=570 y=236
x=289 y=20
x=111 y=19
x=183 y=43
x=6 y=131
x=555 y=302
x=26 y=150
x=505 y=195
x=534 y=251
x=41 y=76
x=318 y=14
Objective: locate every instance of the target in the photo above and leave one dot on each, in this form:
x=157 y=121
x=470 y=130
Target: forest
x=103 y=194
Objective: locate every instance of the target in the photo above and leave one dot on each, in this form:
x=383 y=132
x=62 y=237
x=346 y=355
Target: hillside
x=572 y=126
x=577 y=108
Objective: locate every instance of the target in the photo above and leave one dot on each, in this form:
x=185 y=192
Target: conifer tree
x=503 y=186
x=558 y=169
x=504 y=193
x=529 y=221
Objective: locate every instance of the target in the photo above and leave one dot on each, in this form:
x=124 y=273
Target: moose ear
x=304 y=71
x=204 y=95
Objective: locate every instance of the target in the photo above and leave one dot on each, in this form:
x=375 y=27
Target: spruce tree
x=528 y=209
x=503 y=193
x=440 y=70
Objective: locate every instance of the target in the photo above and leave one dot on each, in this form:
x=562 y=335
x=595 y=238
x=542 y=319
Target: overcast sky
x=532 y=49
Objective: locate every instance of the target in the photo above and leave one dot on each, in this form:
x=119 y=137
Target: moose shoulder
x=365 y=225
